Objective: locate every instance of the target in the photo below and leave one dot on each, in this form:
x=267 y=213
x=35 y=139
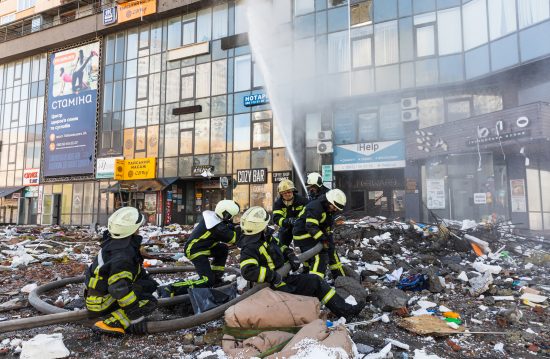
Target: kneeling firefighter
x=116 y=282
x=210 y=238
x=262 y=254
x=314 y=225
x=286 y=209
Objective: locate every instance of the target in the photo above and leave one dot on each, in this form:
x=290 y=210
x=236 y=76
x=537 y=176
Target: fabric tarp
x=6 y=191
x=152 y=185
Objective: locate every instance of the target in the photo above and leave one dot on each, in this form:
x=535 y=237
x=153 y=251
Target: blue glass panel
x=406 y=43
x=405 y=8
x=451 y=68
x=321 y=23
x=387 y=78
x=385 y=10
x=320 y=4
x=534 y=41
x=504 y=52
x=239 y=102
x=444 y=4
x=344 y=128
x=477 y=62
x=426 y=72
x=407 y=75
x=304 y=26
x=338 y=19
x=421 y=6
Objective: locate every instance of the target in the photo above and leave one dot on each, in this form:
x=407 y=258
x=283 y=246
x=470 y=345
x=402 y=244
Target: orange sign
x=143 y=168
x=135 y=9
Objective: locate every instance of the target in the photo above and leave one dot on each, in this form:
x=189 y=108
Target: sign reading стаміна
x=71 y=115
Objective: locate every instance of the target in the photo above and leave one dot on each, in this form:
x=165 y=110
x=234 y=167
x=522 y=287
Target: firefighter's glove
x=138 y=328
x=294 y=261
x=277 y=279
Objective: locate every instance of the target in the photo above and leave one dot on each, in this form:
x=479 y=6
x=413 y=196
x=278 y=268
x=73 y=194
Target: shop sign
x=135 y=9
x=435 y=189
x=489 y=135
x=141 y=168
x=30 y=192
x=372 y=155
x=16 y=196
x=198 y=170
x=106 y=167
x=480 y=198
x=253 y=175
x=256 y=99
x=281 y=175
x=224 y=182
x=326 y=171
x=70 y=127
x=109 y=16
x=31 y=176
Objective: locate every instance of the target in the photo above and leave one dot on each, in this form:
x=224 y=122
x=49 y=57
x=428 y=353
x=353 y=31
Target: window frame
x=353 y=41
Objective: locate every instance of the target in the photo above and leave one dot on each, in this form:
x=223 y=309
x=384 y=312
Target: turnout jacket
x=261 y=255
x=209 y=231
x=314 y=223
x=281 y=211
x=110 y=276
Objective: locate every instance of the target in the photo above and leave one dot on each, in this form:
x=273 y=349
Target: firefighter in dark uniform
x=286 y=209
x=315 y=186
x=116 y=282
x=262 y=254
x=210 y=239
x=314 y=225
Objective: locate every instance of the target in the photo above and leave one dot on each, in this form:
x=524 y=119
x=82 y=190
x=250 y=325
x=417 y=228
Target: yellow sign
x=136 y=9
x=142 y=168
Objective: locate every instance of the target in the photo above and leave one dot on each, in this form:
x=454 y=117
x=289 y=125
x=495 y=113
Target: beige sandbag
x=317 y=330
x=273 y=309
x=252 y=347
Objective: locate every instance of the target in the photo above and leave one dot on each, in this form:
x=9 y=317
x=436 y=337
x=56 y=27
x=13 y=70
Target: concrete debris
x=389 y=299
x=480 y=285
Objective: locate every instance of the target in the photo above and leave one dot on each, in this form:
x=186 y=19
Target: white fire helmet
x=285 y=185
x=226 y=209
x=314 y=179
x=337 y=198
x=124 y=222
x=254 y=220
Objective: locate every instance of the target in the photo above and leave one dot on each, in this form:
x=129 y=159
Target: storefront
x=9 y=204
x=491 y=167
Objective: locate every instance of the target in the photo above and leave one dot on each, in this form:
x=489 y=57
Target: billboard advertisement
x=71 y=115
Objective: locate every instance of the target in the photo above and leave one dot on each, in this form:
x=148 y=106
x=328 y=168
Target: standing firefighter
x=209 y=239
x=262 y=255
x=286 y=209
x=314 y=225
x=116 y=281
x=315 y=186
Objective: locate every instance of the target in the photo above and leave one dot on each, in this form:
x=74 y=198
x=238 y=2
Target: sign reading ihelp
x=256 y=99
x=141 y=168
x=253 y=175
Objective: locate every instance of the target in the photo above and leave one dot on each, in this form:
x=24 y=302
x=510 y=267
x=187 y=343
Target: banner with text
x=71 y=115
x=136 y=169
x=370 y=155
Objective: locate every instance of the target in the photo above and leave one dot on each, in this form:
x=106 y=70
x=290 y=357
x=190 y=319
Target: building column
x=413 y=196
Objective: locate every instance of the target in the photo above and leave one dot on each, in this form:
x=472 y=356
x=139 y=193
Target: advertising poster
x=518 y=201
x=71 y=115
x=435 y=193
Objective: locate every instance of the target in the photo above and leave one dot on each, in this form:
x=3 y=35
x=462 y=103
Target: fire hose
x=57 y=315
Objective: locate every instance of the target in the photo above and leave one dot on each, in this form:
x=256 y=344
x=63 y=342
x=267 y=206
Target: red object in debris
x=533 y=348
x=538 y=310
x=402 y=312
x=502 y=322
x=453 y=345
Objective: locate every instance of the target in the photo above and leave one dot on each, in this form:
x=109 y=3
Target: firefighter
x=116 y=282
x=315 y=186
x=262 y=254
x=314 y=225
x=286 y=209
x=210 y=239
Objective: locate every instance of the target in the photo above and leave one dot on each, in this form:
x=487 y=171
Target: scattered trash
x=428 y=325
x=45 y=346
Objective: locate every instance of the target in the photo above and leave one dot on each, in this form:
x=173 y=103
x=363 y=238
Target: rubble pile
x=443 y=290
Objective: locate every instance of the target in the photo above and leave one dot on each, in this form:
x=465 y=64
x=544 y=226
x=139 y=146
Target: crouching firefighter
x=314 y=225
x=286 y=209
x=210 y=238
x=262 y=254
x=117 y=285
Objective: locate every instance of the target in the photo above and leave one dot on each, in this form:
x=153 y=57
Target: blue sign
x=69 y=146
x=109 y=16
x=369 y=155
x=256 y=99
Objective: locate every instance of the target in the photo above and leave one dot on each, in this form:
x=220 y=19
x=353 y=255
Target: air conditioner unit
x=408 y=103
x=409 y=115
x=324 y=147
x=324 y=135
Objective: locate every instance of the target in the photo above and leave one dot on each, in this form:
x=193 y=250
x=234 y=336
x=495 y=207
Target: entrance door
x=358 y=201
x=462 y=198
